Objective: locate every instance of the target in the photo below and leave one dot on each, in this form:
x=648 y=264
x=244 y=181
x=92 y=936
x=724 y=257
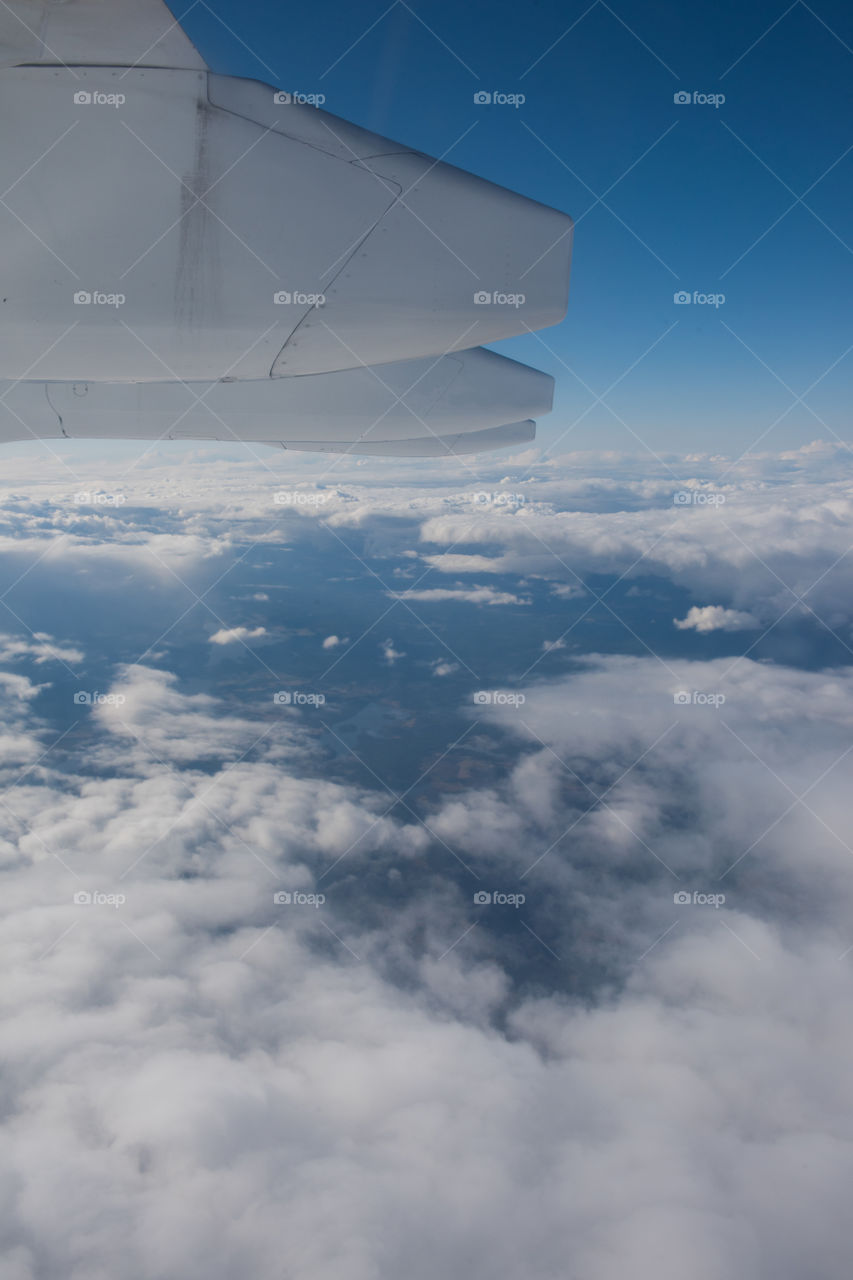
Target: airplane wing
x=110 y=33
x=171 y=229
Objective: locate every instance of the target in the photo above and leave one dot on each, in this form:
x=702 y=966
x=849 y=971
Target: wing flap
x=416 y=408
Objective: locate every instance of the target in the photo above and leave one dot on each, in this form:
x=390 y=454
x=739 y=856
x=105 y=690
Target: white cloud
x=155 y=1047
x=389 y=653
x=466 y=595
x=332 y=642
x=41 y=648
x=713 y=617
x=453 y=563
x=444 y=668
x=233 y=635
x=150 y=713
x=393 y=1080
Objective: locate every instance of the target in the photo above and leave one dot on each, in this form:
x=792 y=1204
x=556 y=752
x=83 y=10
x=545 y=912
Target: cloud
x=400 y=1077
x=766 y=547
x=155 y=1054
x=713 y=617
x=466 y=595
x=233 y=635
x=389 y=653
x=147 y=710
x=41 y=648
x=332 y=642
x=22 y=736
x=770 y=548
x=444 y=668
x=453 y=563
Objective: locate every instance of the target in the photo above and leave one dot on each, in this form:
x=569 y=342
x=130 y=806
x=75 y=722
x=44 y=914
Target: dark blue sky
x=690 y=193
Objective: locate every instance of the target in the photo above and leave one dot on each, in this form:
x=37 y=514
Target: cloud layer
x=257 y=1020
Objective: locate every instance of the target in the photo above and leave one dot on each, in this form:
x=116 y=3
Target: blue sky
x=689 y=193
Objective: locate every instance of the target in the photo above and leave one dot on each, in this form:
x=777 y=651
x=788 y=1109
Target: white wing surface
x=164 y=226
x=139 y=33
x=404 y=408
